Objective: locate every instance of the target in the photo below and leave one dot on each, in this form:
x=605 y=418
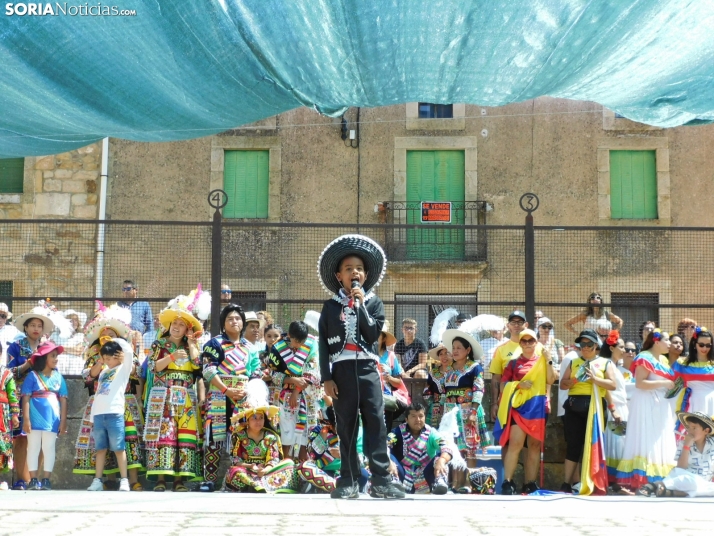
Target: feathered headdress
x=114 y=317
x=312 y=319
x=256 y=399
x=481 y=323
x=449 y=430
x=441 y=323
x=193 y=309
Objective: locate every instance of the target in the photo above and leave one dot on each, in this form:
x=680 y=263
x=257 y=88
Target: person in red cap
x=44 y=403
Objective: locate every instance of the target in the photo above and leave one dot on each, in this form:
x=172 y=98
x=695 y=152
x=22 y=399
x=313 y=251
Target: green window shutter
x=12 y=171
x=246 y=179
x=435 y=176
x=633 y=185
x=6 y=289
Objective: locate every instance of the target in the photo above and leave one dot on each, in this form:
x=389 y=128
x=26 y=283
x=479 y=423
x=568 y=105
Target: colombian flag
x=690 y=372
x=524 y=406
x=593 y=474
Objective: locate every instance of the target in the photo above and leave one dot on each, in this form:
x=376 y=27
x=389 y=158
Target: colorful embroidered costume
x=698 y=394
x=234 y=364
x=650 y=445
x=280 y=477
x=435 y=395
x=303 y=363
x=320 y=469
x=9 y=407
x=464 y=387
x=84 y=458
x=171 y=429
x=17 y=354
x=415 y=456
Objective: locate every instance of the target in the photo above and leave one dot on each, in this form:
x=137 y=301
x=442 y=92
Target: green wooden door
x=435 y=176
x=246 y=180
x=633 y=185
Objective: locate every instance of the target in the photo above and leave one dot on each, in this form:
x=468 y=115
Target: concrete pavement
x=80 y=513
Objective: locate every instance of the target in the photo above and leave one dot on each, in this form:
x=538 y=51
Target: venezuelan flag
x=526 y=407
x=593 y=474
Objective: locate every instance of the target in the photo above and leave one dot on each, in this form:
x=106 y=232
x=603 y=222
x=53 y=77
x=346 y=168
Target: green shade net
x=190 y=68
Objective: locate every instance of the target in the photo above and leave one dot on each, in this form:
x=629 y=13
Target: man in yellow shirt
x=510 y=349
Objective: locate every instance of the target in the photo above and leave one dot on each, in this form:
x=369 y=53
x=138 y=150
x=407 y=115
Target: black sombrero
x=375 y=261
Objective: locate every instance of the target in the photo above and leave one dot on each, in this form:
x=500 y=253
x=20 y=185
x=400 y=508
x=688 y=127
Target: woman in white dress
x=697 y=371
x=592 y=313
x=650 y=446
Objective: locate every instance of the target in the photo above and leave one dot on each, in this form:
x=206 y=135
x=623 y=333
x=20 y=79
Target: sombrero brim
x=375 y=261
x=169 y=315
x=270 y=412
x=47 y=325
x=390 y=339
x=684 y=416
x=95 y=327
x=450 y=334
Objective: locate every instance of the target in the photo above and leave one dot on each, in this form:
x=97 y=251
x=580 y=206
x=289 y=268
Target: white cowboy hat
x=451 y=334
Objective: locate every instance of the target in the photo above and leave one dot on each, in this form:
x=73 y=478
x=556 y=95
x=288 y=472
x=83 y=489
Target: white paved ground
x=198 y=514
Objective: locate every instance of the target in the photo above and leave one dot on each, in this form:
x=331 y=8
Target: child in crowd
x=9 y=420
x=108 y=410
x=44 y=405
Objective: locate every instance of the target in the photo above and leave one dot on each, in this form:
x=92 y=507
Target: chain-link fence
x=640 y=273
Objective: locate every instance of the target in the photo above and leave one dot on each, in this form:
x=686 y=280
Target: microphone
x=355 y=284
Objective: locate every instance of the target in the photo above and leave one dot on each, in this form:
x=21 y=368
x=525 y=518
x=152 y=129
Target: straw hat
x=114 y=317
x=706 y=419
x=434 y=352
x=42 y=312
x=256 y=400
x=390 y=338
x=371 y=253
x=192 y=309
x=312 y=319
x=451 y=334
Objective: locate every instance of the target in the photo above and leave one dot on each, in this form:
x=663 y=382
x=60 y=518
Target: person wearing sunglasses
x=141 y=318
x=697 y=371
x=584 y=375
x=592 y=313
x=8 y=332
x=526 y=373
x=226 y=295
x=546 y=336
x=650 y=445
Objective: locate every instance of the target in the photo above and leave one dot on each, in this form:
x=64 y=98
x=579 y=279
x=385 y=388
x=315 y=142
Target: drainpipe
x=102 y=216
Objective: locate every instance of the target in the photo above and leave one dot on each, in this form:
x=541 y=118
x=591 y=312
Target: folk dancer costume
x=235 y=365
x=650 y=445
x=698 y=392
x=266 y=454
x=171 y=432
x=435 y=390
x=464 y=388
x=347 y=357
x=302 y=363
x=20 y=351
x=8 y=333
x=9 y=408
x=415 y=457
x=118 y=320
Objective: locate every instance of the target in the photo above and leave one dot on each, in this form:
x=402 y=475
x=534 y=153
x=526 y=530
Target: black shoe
x=305 y=487
x=207 y=487
x=565 y=488
x=529 y=488
x=46 y=484
x=347 y=492
x=508 y=487
x=390 y=491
